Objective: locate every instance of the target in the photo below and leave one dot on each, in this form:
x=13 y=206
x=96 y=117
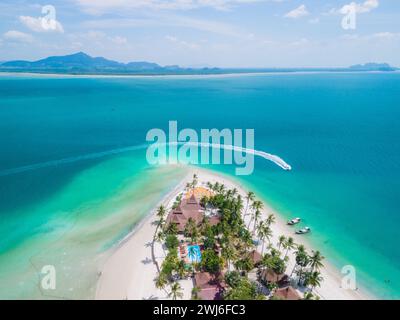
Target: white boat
x=303 y=231
x=293 y=221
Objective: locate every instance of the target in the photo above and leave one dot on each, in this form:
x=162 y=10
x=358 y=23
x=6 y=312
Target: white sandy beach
x=129 y=272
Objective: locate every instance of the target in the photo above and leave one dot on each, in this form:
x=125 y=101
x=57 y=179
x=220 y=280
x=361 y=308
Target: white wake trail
x=271 y=157
x=92 y=156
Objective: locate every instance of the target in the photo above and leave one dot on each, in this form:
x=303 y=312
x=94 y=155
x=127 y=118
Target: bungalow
x=255 y=258
x=187 y=209
x=269 y=276
x=210 y=287
x=287 y=293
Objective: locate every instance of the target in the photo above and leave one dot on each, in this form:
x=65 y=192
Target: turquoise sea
x=68 y=192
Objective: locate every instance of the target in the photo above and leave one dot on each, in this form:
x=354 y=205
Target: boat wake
x=98 y=155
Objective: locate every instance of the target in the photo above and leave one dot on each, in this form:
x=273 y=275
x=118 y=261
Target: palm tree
x=161 y=282
x=270 y=219
x=195 y=181
x=264 y=233
x=281 y=241
x=316 y=260
x=234 y=192
x=289 y=245
x=250 y=196
x=229 y=253
x=314 y=279
x=302 y=260
x=176 y=291
x=257 y=216
x=256 y=206
x=161 y=212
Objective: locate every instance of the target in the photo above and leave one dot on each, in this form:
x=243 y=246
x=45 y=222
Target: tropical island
x=83 y=64
x=211 y=240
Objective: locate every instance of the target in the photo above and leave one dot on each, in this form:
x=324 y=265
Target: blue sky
x=224 y=33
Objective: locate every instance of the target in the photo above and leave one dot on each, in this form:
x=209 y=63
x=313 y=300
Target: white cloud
x=182 y=43
x=384 y=36
x=39 y=24
x=96 y=38
x=102 y=6
x=299 y=12
x=362 y=7
x=17 y=36
x=169 y=20
x=119 y=40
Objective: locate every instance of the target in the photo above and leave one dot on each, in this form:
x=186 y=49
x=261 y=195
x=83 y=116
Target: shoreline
x=144 y=230
x=181 y=76
x=124 y=275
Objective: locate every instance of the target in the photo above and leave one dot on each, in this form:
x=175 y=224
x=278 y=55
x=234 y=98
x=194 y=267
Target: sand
x=129 y=272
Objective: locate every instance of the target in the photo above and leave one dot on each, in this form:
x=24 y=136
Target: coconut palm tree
x=270 y=219
x=264 y=233
x=302 y=260
x=314 y=279
x=161 y=212
x=194 y=182
x=161 y=282
x=316 y=260
x=256 y=206
x=234 y=192
x=289 y=245
x=281 y=241
x=176 y=291
x=250 y=196
x=257 y=216
x=229 y=253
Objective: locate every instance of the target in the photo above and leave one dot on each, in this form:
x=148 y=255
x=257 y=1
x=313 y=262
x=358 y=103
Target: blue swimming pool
x=194 y=254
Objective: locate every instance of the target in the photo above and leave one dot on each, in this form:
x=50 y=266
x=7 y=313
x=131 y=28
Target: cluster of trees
x=227 y=246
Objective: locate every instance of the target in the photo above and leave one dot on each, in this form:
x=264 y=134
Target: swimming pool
x=194 y=254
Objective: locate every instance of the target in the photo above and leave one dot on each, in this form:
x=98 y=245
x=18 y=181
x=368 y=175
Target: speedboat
x=303 y=231
x=293 y=221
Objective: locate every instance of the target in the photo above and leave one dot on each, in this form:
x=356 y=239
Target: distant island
x=82 y=64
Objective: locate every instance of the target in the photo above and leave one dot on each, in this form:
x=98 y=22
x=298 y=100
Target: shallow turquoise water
x=339 y=132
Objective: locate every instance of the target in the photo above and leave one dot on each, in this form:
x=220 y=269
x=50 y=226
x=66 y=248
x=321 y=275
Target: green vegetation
x=226 y=247
x=211 y=262
x=243 y=290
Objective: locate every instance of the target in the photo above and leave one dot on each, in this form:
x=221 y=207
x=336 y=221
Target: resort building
x=210 y=287
x=255 y=258
x=199 y=192
x=189 y=208
x=287 y=293
x=271 y=277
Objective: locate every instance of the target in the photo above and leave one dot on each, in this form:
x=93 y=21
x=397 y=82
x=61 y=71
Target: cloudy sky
x=225 y=33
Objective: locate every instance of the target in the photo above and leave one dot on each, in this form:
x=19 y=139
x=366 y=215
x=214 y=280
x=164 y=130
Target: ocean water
x=339 y=132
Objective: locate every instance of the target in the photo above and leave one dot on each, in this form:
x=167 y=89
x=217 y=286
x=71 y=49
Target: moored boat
x=293 y=221
x=303 y=231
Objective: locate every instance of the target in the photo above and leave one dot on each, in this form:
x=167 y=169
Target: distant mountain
x=143 y=65
x=78 y=62
x=70 y=61
x=371 y=66
x=81 y=63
